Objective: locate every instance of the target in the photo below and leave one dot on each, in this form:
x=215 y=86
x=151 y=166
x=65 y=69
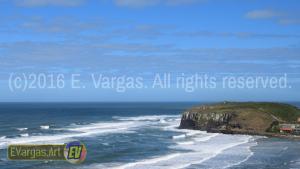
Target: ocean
x=135 y=136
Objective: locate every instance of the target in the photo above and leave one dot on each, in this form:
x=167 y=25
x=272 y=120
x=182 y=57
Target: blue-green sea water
x=135 y=135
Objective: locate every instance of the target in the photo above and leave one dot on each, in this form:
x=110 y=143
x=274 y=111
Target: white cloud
x=288 y=21
x=37 y=3
x=195 y=34
x=283 y=18
x=136 y=3
x=122 y=3
x=144 y=3
x=262 y=14
x=182 y=2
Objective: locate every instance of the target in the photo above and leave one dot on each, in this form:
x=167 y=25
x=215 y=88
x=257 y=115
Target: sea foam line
x=244 y=160
x=146 y=118
x=211 y=156
x=124 y=124
x=22 y=129
x=173 y=161
x=147 y=162
x=77 y=131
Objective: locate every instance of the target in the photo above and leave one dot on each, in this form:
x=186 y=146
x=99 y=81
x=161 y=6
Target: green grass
x=282 y=111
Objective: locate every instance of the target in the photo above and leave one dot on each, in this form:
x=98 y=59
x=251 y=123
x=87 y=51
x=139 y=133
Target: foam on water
x=148 y=162
x=190 y=146
x=73 y=131
x=250 y=154
x=21 y=129
x=208 y=137
x=45 y=127
x=295 y=164
x=24 y=135
x=179 y=136
x=199 y=153
x=105 y=126
x=161 y=118
x=185 y=143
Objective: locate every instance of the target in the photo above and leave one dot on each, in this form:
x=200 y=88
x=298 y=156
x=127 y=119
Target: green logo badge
x=75 y=152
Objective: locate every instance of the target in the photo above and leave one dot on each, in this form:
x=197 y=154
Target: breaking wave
x=190 y=147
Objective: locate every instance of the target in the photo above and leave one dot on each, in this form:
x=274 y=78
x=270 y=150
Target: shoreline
x=266 y=134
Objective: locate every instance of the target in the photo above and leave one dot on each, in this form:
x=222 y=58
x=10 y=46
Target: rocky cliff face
x=231 y=117
x=252 y=118
x=205 y=121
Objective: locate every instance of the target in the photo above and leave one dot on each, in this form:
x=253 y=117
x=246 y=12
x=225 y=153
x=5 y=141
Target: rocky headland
x=253 y=118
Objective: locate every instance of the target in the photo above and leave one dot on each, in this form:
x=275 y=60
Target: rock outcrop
x=241 y=118
x=205 y=121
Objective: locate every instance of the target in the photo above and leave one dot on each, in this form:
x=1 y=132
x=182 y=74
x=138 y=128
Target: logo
x=35 y=152
x=75 y=152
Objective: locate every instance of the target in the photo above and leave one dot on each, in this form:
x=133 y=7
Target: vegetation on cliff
x=240 y=117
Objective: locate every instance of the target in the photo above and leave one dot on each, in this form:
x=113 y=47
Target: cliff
x=260 y=118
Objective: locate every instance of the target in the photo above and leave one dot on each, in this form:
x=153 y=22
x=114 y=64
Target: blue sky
x=143 y=37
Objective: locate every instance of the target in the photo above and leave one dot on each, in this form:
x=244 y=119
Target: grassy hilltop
x=283 y=111
x=243 y=117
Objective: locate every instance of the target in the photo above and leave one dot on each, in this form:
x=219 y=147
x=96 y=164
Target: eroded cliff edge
x=259 y=118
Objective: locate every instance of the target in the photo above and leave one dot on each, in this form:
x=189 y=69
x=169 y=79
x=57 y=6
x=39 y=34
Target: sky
x=141 y=38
